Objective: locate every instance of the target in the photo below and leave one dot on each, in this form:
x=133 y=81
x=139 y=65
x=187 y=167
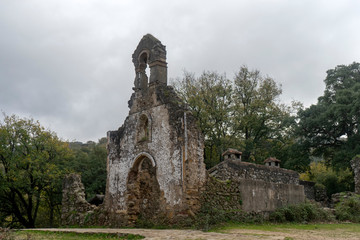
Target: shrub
x=209 y=217
x=334 y=180
x=305 y=212
x=348 y=209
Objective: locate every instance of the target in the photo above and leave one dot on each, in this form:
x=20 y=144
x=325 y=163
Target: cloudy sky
x=67 y=63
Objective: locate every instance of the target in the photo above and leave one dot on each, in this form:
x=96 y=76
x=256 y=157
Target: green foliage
x=259 y=119
x=244 y=113
x=334 y=181
x=305 y=212
x=90 y=161
x=29 y=168
x=210 y=217
x=330 y=129
x=209 y=98
x=348 y=209
x=329 y=228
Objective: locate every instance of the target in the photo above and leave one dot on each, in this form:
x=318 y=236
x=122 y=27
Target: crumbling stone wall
x=355 y=165
x=262 y=188
x=315 y=192
x=222 y=195
x=309 y=189
x=75 y=209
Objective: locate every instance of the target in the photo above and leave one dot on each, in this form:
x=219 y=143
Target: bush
x=305 y=212
x=348 y=209
x=334 y=180
x=209 y=217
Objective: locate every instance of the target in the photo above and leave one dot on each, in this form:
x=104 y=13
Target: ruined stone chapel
x=155 y=161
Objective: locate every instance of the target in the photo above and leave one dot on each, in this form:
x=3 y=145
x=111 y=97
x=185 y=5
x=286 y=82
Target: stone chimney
x=272 y=162
x=232 y=154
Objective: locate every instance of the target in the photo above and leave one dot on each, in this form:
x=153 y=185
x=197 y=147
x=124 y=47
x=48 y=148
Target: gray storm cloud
x=68 y=63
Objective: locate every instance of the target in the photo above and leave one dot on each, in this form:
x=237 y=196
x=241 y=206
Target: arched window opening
x=144 y=69
x=143 y=129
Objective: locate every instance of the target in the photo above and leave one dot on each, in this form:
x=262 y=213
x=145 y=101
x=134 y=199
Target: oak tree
x=29 y=168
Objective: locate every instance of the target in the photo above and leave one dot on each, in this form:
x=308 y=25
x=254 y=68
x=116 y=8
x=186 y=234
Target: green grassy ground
x=351 y=227
x=41 y=235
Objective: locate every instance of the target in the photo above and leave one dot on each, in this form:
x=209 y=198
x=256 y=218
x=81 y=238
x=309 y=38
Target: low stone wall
x=264 y=196
x=315 y=192
x=262 y=188
x=309 y=189
x=234 y=169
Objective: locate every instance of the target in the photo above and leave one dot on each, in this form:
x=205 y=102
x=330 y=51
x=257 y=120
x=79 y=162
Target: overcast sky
x=67 y=63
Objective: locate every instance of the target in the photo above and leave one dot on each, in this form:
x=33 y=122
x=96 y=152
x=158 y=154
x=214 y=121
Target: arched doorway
x=143 y=190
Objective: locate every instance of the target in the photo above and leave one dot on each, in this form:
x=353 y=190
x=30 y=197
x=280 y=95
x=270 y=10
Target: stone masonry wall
x=234 y=169
x=222 y=195
x=264 y=196
x=309 y=189
x=262 y=188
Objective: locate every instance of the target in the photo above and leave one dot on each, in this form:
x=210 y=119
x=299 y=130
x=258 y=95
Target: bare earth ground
x=227 y=234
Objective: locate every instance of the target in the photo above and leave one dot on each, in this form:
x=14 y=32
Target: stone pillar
x=74 y=205
x=355 y=165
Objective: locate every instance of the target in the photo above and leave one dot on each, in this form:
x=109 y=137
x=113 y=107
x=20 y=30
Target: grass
x=42 y=235
x=350 y=227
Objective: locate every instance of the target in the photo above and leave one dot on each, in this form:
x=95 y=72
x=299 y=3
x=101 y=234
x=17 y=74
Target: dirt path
x=153 y=234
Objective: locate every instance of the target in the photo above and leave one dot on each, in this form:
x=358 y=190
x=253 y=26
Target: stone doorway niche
x=143 y=190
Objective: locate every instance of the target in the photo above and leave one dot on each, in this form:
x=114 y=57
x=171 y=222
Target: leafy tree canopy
x=330 y=128
x=29 y=167
x=244 y=113
x=90 y=161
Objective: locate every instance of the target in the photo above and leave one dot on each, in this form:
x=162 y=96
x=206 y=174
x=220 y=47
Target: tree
x=90 y=161
x=29 y=167
x=210 y=100
x=330 y=128
x=244 y=114
x=261 y=122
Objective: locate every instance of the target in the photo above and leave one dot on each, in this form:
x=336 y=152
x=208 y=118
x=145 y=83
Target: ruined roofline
x=231 y=151
x=248 y=164
x=272 y=159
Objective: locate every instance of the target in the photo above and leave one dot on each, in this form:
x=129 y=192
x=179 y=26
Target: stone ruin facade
x=155 y=162
x=155 y=159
